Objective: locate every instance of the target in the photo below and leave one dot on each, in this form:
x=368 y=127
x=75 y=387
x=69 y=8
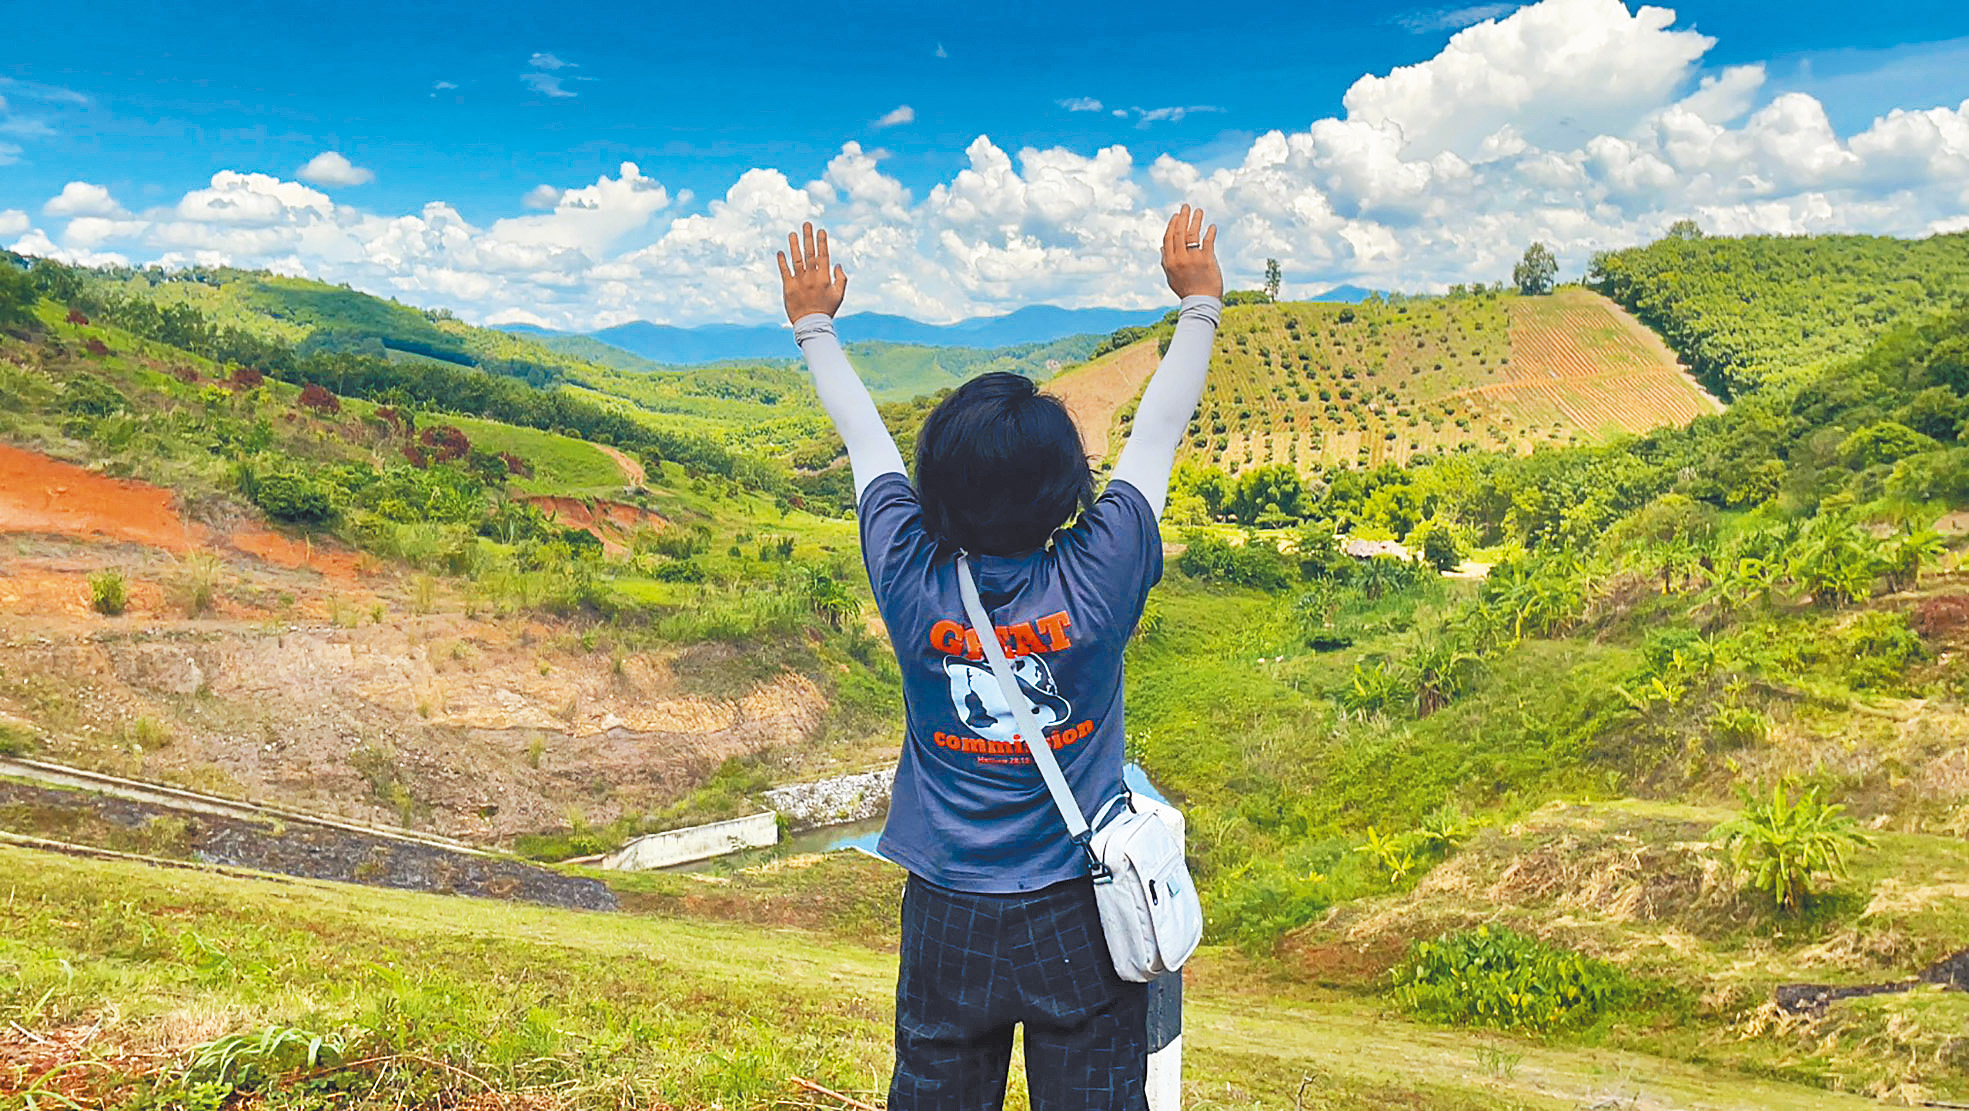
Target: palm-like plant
x=1906 y=553
x=1373 y=688
x=827 y=597
x=1440 y=671
x=1746 y=580
x=1781 y=848
x=1834 y=562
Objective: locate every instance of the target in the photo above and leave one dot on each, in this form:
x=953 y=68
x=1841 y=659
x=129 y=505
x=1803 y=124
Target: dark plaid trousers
x=974 y=966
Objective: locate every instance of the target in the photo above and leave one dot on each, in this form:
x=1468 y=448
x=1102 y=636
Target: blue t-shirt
x=969 y=811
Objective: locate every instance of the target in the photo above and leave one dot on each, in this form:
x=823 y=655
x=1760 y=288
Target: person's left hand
x=811 y=285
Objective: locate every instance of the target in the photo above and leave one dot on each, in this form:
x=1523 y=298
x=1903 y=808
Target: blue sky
x=474 y=106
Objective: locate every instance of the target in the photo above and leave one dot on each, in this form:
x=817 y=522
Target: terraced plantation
x=1318 y=386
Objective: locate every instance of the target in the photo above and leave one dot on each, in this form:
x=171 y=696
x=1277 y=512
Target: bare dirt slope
x=1094 y=393
x=310 y=683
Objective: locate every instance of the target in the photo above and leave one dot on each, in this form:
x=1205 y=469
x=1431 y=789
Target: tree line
x=352 y=370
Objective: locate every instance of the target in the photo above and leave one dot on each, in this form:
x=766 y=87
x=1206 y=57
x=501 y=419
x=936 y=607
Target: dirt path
x=1352 y=1040
x=631 y=469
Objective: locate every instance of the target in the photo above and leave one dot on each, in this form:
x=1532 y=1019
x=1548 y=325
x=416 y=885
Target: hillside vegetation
x=705 y=995
x=1761 y=309
x=1375 y=760
x=1679 y=783
x=1320 y=387
x=447 y=620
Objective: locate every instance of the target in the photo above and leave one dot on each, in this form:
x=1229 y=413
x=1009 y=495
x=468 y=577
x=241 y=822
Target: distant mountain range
x=666 y=343
x=711 y=343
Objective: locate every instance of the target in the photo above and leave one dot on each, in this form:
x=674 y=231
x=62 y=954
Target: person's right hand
x=1189 y=256
x=811 y=284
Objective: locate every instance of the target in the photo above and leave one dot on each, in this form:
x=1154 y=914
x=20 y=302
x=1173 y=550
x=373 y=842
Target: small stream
x=860 y=836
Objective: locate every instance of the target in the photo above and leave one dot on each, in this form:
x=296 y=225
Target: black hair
x=1000 y=466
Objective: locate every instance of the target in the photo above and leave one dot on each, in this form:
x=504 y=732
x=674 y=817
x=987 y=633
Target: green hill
x=1744 y=312
x=1318 y=386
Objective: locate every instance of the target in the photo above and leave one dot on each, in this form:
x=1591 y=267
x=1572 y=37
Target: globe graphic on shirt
x=980 y=703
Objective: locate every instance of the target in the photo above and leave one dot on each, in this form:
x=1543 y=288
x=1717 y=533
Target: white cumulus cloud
x=1581 y=123
x=1081 y=104
x=81 y=198
x=1558 y=72
x=900 y=114
x=331 y=168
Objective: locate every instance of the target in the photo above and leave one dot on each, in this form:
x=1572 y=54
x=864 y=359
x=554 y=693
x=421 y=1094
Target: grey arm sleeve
x=1164 y=413
x=871 y=451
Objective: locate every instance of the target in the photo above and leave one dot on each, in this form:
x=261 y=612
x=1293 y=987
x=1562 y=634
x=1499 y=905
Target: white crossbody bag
x=1149 y=909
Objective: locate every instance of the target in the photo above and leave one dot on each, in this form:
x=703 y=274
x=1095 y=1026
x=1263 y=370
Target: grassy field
x=1319 y=386
x=561 y=464
x=145 y=988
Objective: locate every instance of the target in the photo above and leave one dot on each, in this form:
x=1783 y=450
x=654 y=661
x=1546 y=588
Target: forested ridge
x=1746 y=311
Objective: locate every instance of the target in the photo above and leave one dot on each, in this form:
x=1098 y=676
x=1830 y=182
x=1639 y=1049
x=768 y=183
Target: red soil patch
x=66 y=1066
x=44 y=593
x=1342 y=964
x=39 y=494
x=610 y=521
x=284 y=552
x=1943 y=619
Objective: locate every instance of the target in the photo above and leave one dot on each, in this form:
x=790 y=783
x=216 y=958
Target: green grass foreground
x=429 y=1001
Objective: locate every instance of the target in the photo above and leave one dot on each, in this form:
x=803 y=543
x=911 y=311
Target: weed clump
x=1508 y=980
x=109 y=595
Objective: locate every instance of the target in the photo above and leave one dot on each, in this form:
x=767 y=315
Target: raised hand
x=811 y=284
x=1189 y=255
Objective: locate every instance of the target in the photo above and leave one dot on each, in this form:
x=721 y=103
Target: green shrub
x=109 y=595
x=1439 y=547
x=1504 y=979
x=1265 y=901
x=1380 y=687
x=15 y=741
x=91 y=397
x=195 y=586
x=1877 y=649
x=292 y=497
x=244 y=1062
x=1257 y=562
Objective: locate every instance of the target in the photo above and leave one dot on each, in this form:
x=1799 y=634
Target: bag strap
x=1029 y=731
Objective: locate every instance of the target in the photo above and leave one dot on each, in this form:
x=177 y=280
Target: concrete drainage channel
x=841 y=802
x=222 y=832
x=843 y=812
x=227 y=832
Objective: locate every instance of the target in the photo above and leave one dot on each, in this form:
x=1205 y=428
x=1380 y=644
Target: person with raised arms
x=999 y=923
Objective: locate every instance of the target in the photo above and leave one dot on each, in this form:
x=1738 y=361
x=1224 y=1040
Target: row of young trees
x=1878 y=438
